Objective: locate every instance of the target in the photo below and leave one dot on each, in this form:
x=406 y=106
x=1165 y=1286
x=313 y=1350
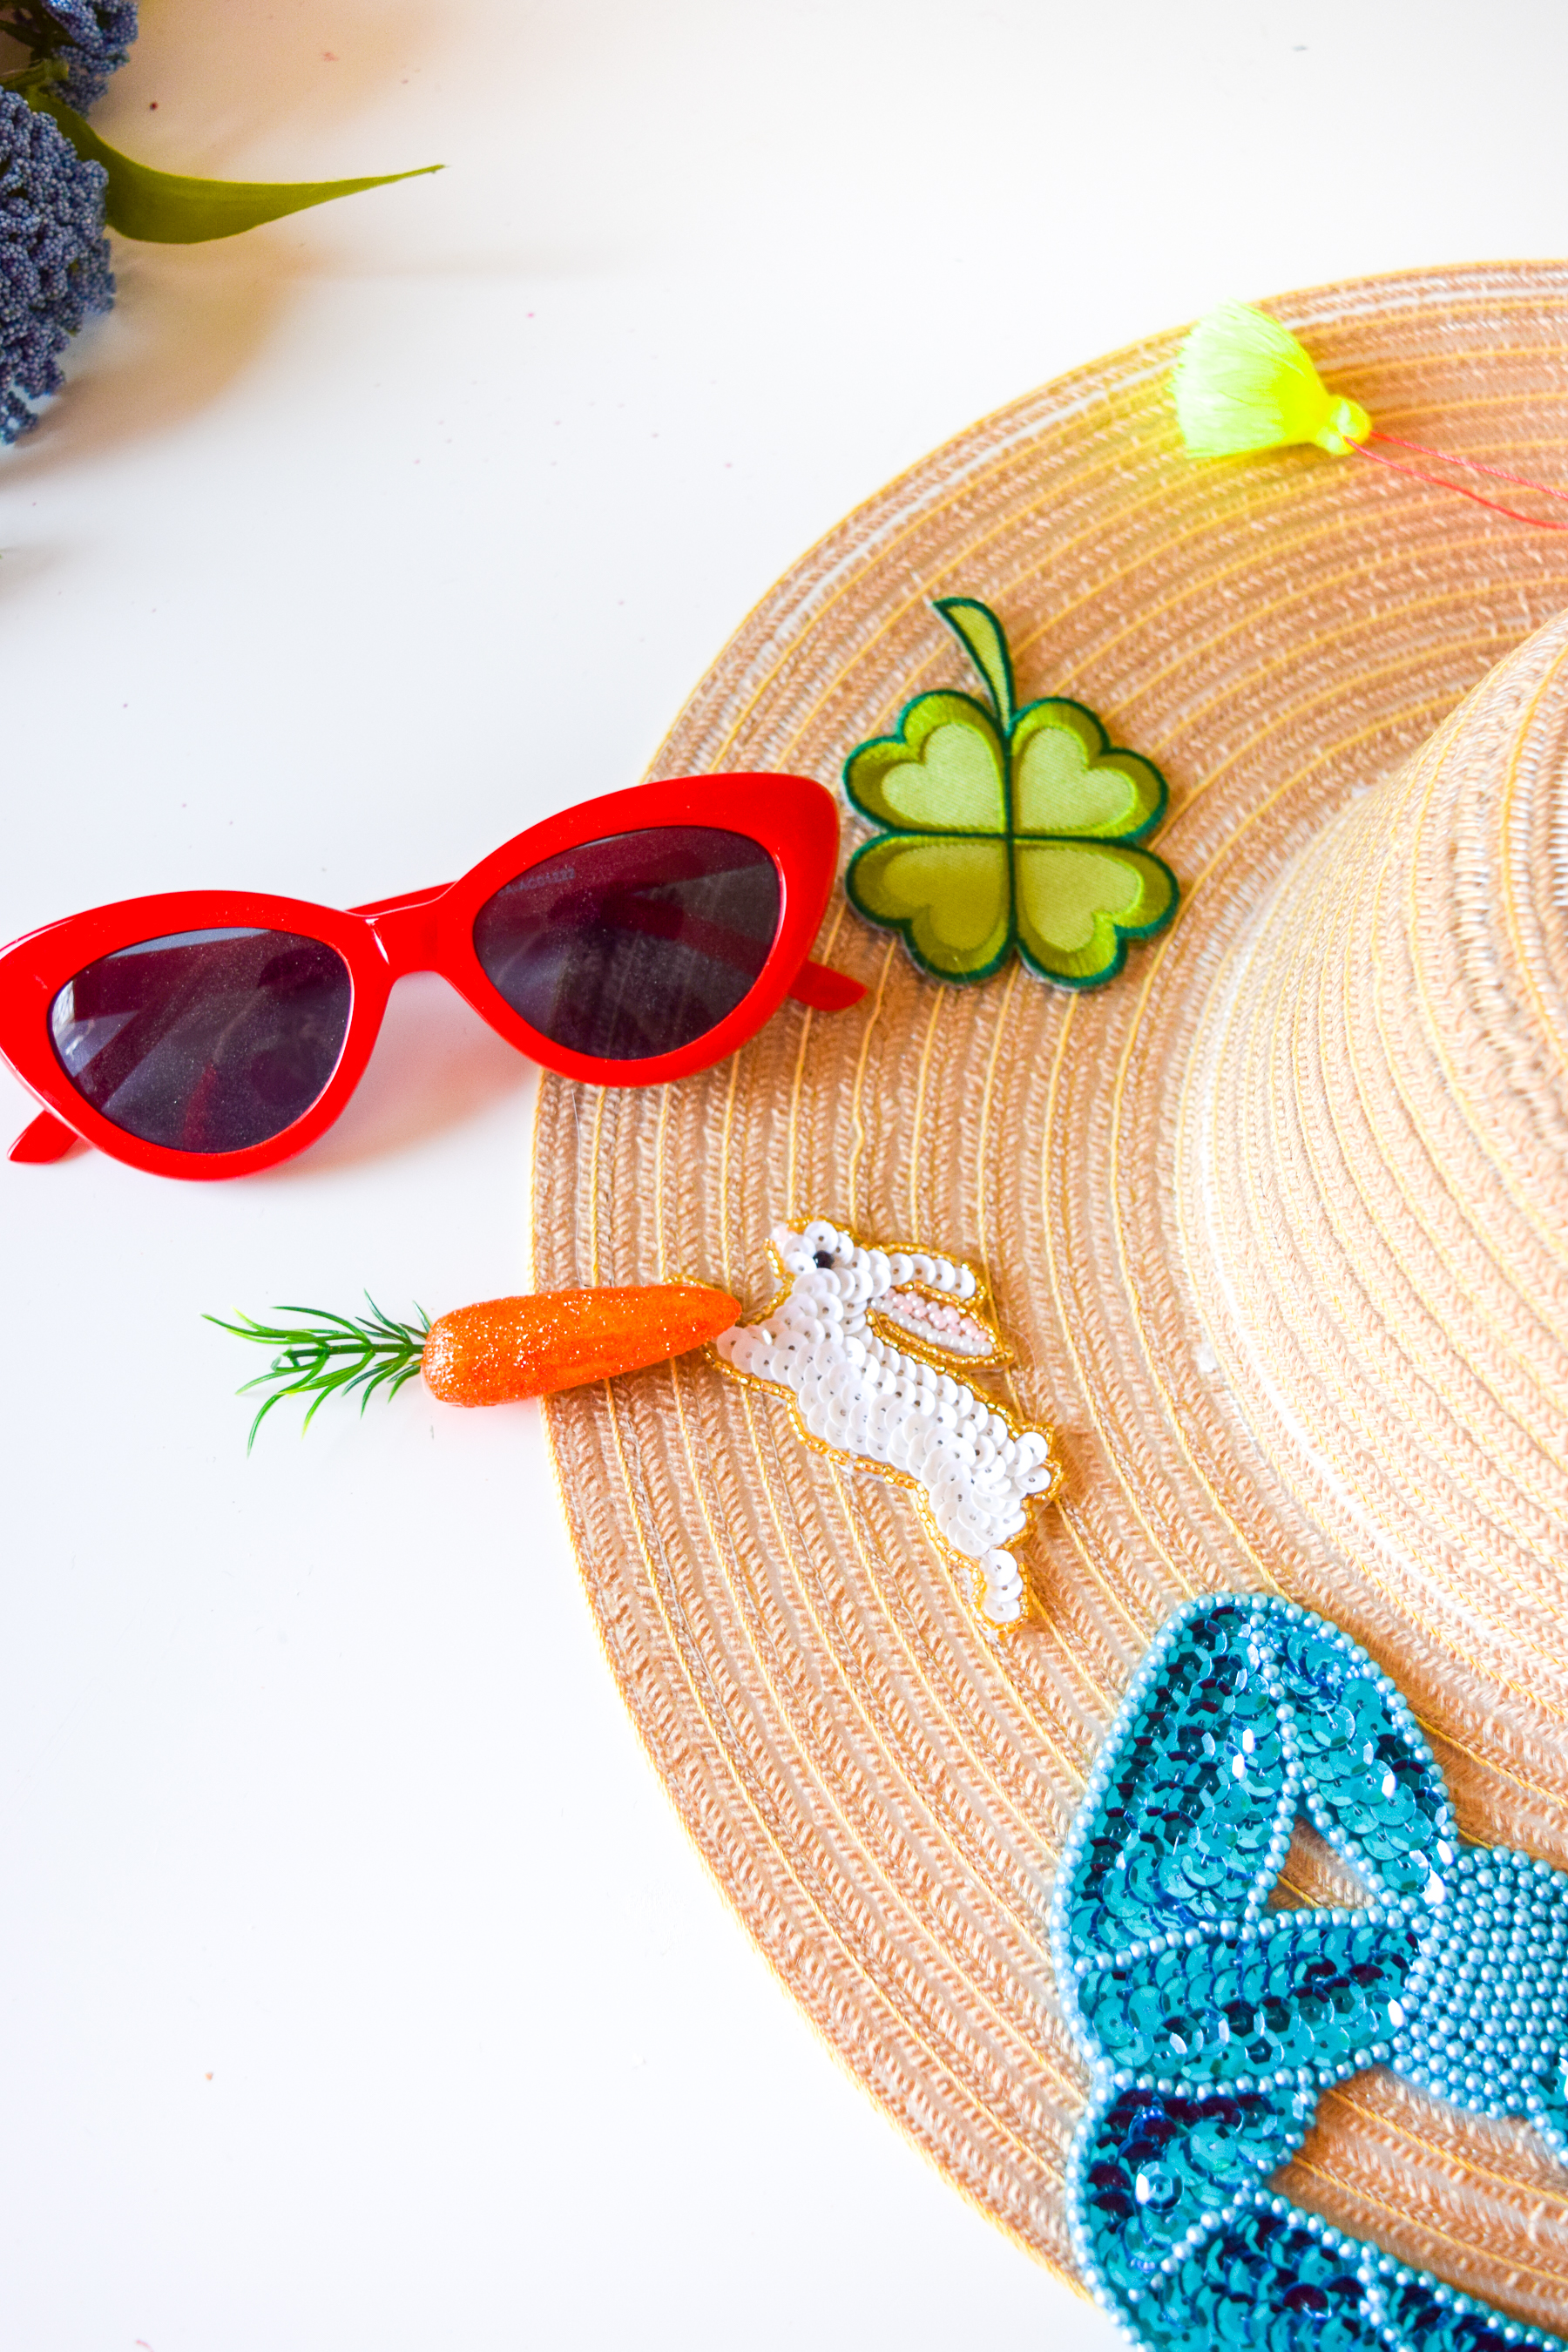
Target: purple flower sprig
x=54 y=256
x=90 y=38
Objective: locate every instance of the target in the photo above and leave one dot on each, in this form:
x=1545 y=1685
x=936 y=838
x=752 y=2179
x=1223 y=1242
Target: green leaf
x=950 y=895
x=943 y=771
x=1078 y=903
x=1067 y=778
x=332 y=1354
x=983 y=637
x=163 y=209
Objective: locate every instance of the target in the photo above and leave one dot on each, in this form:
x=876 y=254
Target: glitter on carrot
x=563 y=1338
x=494 y=1353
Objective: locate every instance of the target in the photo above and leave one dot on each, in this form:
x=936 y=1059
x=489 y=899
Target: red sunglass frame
x=795 y=819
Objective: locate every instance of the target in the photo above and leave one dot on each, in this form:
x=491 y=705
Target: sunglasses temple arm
x=48 y=1139
x=825 y=989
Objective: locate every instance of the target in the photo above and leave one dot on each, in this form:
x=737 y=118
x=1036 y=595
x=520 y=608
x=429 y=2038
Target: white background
x=358 y=1989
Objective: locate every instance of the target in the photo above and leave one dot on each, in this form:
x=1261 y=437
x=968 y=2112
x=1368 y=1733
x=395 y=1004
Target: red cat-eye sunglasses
x=633 y=938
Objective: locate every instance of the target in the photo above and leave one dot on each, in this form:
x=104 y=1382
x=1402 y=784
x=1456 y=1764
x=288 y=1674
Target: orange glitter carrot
x=565 y=1339
x=489 y=1354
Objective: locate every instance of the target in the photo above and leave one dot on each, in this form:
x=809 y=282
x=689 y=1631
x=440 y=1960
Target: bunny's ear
x=1372 y=1788
x=1189 y=1810
x=938 y=1302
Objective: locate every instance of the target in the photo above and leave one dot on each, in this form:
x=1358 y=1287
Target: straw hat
x=1276 y=1223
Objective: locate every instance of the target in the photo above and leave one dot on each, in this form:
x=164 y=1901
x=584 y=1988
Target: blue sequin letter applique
x=1212 y=2024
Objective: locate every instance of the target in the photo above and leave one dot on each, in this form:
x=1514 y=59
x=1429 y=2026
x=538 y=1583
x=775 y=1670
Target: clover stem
x=985 y=640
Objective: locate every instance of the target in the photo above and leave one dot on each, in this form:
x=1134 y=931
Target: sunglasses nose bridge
x=406 y=931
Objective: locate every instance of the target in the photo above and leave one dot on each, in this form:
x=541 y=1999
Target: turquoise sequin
x=1212 y=2022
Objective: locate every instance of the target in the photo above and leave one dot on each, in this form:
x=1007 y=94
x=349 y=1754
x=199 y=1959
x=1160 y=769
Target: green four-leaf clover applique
x=1005 y=828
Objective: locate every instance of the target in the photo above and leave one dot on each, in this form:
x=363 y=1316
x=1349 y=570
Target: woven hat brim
x=880 y=1790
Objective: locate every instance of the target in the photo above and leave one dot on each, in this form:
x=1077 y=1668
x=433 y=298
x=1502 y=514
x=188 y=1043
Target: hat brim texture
x=880 y=1789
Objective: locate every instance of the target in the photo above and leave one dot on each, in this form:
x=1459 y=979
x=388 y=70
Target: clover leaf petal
x=949 y=894
x=945 y=770
x=1068 y=777
x=1079 y=903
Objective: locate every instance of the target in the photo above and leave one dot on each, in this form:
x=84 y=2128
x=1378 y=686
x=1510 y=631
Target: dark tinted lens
x=632 y=947
x=207 y=1041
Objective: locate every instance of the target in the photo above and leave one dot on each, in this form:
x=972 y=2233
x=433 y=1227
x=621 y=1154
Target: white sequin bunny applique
x=866 y=1343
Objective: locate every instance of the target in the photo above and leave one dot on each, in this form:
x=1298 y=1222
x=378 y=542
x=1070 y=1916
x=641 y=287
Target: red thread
x=1436 y=481
x=1472 y=465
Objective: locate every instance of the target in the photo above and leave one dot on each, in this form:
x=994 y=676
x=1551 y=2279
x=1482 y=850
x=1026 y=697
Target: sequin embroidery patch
x=1211 y=2024
x=868 y=1345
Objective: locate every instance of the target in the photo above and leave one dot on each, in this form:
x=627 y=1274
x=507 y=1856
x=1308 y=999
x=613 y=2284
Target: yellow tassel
x=1244 y=382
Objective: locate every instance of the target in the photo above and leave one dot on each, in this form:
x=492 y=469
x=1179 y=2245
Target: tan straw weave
x=1276 y=1223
